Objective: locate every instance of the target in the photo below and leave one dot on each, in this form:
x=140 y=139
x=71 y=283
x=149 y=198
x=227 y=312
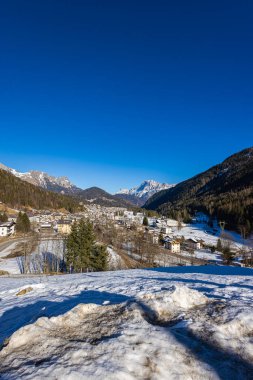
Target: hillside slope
x=102 y=198
x=17 y=193
x=57 y=184
x=224 y=191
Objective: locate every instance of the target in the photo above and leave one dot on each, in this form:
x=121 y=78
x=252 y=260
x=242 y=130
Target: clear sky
x=111 y=93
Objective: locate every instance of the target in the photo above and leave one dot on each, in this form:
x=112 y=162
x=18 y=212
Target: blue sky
x=111 y=93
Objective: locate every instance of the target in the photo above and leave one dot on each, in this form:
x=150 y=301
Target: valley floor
x=166 y=323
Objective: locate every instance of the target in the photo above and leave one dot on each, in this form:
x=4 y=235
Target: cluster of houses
x=161 y=229
x=121 y=218
x=61 y=225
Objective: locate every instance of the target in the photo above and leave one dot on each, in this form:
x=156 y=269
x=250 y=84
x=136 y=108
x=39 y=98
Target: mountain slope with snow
x=224 y=191
x=167 y=323
x=44 y=180
x=16 y=193
x=140 y=194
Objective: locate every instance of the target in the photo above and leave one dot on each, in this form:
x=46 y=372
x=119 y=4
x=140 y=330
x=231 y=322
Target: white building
x=7 y=228
x=173 y=245
x=166 y=230
x=194 y=243
x=129 y=214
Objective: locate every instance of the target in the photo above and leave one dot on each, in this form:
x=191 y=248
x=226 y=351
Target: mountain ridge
x=140 y=194
x=224 y=191
x=17 y=193
x=136 y=196
x=42 y=179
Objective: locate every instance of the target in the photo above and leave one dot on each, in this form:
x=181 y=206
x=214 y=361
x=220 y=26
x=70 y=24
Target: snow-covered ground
x=8 y=249
x=205 y=254
x=55 y=247
x=115 y=262
x=167 y=323
x=6 y=264
x=210 y=236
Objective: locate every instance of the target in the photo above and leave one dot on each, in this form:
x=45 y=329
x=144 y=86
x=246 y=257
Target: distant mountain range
x=16 y=193
x=136 y=196
x=57 y=184
x=140 y=194
x=224 y=191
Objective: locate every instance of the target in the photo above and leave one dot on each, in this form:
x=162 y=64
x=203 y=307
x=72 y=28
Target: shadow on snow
x=19 y=316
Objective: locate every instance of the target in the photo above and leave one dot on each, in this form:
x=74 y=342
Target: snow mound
x=43 y=325
x=158 y=306
x=241 y=325
x=169 y=303
x=166 y=329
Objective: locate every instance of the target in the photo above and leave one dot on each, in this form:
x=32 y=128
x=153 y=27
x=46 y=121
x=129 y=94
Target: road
x=7 y=246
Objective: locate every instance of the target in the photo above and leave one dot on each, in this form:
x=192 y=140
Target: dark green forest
x=17 y=194
x=225 y=191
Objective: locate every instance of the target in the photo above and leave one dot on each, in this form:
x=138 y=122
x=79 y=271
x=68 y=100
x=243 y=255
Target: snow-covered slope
x=146 y=188
x=171 y=323
x=144 y=191
x=44 y=180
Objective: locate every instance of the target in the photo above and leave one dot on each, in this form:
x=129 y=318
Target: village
x=134 y=238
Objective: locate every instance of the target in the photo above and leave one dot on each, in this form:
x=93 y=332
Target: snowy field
x=210 y=236
x=54 y=247
x=167 y=323
x=9 y=265
x=12 y=265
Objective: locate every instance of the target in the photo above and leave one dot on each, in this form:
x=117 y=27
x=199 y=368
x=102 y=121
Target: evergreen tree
x=26 y=223
x=82 y=253
x=3 y=217
x=145 y=221
x=99 y=257
x=23 y=223
x=228 y=255
x=72 y=247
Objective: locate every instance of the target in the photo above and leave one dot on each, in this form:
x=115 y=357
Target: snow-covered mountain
x=44 y=180
x=140 y=194
x=136 y=196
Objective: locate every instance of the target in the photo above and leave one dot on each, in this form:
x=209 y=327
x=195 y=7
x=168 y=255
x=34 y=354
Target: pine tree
x=26 y=223
x=3 y=217
x=23 y=223
x=82 y=253
x=72 y=247
x=145 y=221
x=228 y=255
x=99 y=257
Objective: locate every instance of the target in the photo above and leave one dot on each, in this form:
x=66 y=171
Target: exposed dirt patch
x=24 y=291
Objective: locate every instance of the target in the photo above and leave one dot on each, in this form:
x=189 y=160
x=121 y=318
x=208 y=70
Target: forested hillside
x=102 y=198
x=17 y=193
x=224 y=191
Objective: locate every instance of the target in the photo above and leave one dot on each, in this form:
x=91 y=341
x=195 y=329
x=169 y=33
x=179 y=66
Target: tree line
x=17 y=193
x=83 y=253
